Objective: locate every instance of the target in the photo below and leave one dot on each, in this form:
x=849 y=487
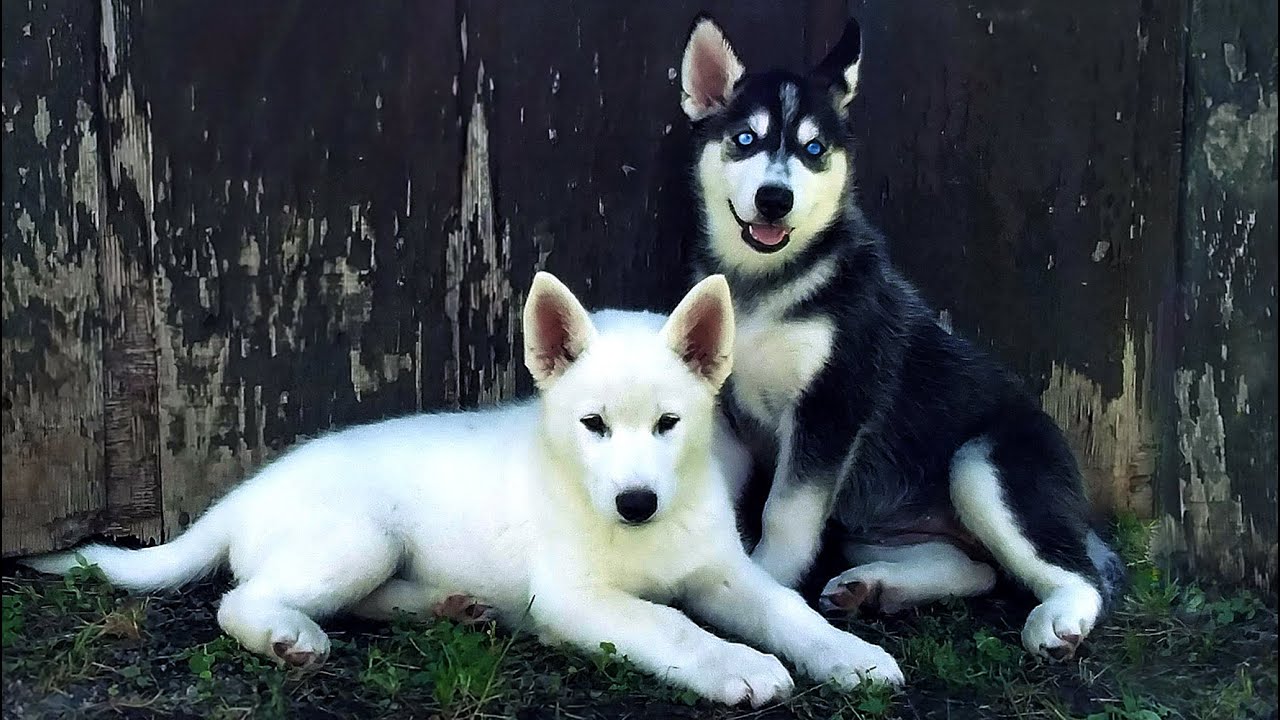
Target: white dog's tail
x=193 y=554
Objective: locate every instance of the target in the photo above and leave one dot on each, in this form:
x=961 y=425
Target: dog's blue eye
x=815 y=148
x=745 y=138
x=595 y=424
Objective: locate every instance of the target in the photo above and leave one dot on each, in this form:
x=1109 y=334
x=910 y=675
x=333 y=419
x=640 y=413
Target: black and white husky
x=919 y=453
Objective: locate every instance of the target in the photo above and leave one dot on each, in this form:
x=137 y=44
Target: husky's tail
x=193 y=554
x=1110 y=566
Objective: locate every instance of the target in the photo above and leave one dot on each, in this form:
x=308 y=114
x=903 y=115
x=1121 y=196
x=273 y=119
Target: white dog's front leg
x=663 y=641
x=741 y=598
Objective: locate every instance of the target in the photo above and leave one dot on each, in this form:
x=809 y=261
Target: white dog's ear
x=557 y=329
x=839 y=69
x=700 y=330
x=708 y=70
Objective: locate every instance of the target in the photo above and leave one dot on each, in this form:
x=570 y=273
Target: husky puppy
x=577 y=516
x=916 y=450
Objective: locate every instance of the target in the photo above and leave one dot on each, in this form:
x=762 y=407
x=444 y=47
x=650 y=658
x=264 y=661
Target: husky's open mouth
x=762 y=237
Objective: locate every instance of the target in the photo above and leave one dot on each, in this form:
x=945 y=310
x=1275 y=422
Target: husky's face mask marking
x=772 y=161
x=630 y=412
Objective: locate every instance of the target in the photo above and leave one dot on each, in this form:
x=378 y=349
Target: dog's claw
x=463 y=609
x=848 y=598
x=295 y=658
x=1065 y=652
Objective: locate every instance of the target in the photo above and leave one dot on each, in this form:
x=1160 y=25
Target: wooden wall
x=232 y=225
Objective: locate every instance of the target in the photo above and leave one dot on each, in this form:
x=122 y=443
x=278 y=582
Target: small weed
x=12 y=619
x=221 y=660
x=1234 y=698
x=1205 y=654
x=458 y=666
x=981 y=661
x=1132 y=707
x=875 y=701
x=998 y=656
x=1222 y=611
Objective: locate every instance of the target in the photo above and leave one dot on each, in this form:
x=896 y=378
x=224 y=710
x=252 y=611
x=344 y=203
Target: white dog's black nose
x=636 y=506
x=774 y=201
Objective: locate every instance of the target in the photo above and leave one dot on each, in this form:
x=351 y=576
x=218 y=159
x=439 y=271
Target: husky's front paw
x=736 y=673
x=1056 y=627
x=849 y=661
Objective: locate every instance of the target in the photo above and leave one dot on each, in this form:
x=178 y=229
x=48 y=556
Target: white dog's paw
x=850 y=661
x=737 y=673
x=303 y=646
x=1057 y=626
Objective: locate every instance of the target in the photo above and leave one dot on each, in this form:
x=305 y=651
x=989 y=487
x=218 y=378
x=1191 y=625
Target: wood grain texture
x=1218 y=506
x=304 y=187
x=999 y=149
x=53 y=212
x=132 y=429
x=582 y=132
x=237 y=225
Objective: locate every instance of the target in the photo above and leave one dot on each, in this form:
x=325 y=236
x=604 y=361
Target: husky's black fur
x=914 y=391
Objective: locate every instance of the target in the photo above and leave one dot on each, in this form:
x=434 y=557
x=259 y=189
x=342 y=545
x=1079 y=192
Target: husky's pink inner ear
x=710 y=69
x=710 y=81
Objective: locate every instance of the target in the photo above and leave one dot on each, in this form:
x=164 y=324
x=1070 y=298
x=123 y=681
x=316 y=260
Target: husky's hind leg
x=274 y=610
x=1021 y=496
x=398 y=595
x=896 y=577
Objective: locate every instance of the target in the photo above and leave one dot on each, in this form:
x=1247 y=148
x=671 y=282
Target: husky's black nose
x=774 y=201
x=636 y=506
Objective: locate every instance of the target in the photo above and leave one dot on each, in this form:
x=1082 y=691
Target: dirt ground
x=76 y=648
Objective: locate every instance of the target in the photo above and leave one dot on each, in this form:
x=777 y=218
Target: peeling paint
x=1112 y=437
x=479 y=295
x=1100 y=251
x=1240 y=145
x=1211 y=518
x=52 y=351
x=41 y=126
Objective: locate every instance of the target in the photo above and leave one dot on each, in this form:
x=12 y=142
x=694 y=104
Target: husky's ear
x=839 y=69
x=700 y=330
x=708 y=70
x=557 y=329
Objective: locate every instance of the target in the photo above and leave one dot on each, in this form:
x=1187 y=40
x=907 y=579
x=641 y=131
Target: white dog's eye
x=595 y=424
x=665 y=423
x=745 y=138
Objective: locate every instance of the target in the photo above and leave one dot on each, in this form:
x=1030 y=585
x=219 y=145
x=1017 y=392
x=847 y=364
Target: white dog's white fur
x=516 y=507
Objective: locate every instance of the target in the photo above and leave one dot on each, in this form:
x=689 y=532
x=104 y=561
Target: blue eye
x=745 y=138
x=815 y=148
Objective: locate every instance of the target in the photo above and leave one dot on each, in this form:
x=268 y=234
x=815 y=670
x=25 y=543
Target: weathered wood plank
x=997 y=149
x=52 y=418
x=303 y=187
x=581 y=127
x=210 y=254
x=1218 y=508
x=132 y=426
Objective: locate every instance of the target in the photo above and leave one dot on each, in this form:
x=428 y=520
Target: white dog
x=575 y=516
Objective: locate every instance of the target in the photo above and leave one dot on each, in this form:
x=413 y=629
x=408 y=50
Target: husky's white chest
x=775 y=361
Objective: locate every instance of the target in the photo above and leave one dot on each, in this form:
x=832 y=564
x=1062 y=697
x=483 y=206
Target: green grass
x=78 y=647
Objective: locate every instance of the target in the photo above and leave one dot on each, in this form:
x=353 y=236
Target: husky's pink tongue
x=768 y=234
